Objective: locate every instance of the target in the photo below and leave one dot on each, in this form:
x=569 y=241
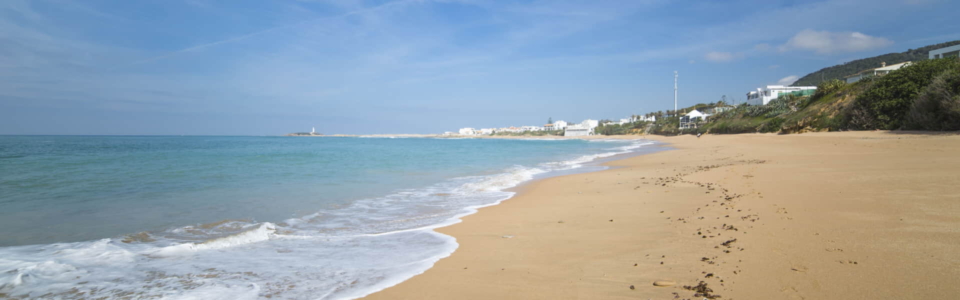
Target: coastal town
x=694 y=117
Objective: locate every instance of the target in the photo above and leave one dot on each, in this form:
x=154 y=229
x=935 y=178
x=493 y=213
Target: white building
x=560 y=125
x=510 y=129
x=468 y=131
x=952 y=51
x=487 y=131
x=697 y=114
x=765 y=95
x=531 y=128
x=692 y=118
x=584 y=128
x=577 y=130
x=884 y=69
x=590 y=123
x=647 y=119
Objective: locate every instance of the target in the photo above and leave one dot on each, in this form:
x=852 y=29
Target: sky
x=238 y=67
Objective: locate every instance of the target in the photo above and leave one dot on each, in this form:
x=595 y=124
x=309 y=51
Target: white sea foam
x=260 y=234
x=340 y=253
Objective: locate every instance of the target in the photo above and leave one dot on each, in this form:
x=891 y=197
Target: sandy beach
x=852 y=215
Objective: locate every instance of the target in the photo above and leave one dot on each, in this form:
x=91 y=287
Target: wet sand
x=853 y=215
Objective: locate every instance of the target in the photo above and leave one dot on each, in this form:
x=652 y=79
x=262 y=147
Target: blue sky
x=415 y=66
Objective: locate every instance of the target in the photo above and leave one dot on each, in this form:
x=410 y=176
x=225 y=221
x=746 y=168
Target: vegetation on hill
x=938 y=106
x=617 y=129
x=889 y=100
x=852 y=67
x=922 y=96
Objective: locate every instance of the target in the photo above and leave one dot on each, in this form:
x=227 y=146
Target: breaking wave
x=339 y=253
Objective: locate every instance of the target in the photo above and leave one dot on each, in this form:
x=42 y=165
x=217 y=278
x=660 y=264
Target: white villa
x=468 y=131
x=691 y=119
x=583 y=129
x=647 y=119
x=952 y=51
x=765 y=95
x=884 y=69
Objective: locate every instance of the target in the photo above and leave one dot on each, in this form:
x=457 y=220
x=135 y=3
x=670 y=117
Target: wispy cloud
x=359 y=11
x=826 y=42
x=788 y=80
x=720 y=57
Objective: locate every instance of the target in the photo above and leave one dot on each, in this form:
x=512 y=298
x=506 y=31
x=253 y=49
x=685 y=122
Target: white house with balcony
x=948 y=52
x=884 y=69
x=762 y=96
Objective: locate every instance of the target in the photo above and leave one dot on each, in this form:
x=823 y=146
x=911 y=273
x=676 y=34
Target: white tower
x=675 y=76
x=313 y=130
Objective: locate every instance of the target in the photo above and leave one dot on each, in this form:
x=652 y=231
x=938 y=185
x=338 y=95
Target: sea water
x=118 y=217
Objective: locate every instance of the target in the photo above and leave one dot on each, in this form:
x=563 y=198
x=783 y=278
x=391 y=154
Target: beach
x=850 y=215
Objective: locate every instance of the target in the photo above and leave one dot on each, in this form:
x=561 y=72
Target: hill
x=852 y=67
x=922 y=96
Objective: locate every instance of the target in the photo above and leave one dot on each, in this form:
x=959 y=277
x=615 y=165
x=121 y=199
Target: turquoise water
x=248 y=217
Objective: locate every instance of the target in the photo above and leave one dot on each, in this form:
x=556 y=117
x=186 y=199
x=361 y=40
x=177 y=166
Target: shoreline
x=596 y=234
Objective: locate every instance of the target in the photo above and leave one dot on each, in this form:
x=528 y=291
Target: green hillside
x=922 y=96
x=850 y=68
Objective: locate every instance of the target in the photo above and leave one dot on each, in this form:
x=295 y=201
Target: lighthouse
x=313 y=130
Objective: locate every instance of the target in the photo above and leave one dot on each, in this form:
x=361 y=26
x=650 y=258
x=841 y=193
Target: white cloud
x=721 y=56
x=692 y=61
x=826 y=42
x=788 y=80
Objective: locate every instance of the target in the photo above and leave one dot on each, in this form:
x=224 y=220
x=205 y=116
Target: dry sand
x=862 y=215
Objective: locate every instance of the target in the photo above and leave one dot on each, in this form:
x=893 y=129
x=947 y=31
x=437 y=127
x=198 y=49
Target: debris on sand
x=701 y=290
x=727 y=243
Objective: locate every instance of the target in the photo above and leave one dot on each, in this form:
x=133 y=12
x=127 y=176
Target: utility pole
x=675 y=76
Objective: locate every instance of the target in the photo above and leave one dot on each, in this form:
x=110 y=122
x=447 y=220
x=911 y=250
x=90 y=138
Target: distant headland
x=313 y=132
x=304 y=134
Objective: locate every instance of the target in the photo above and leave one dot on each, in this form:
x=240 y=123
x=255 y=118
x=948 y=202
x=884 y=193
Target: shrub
x=888 y=100
x=773 y=125
x=938 y=105
x=828 y=87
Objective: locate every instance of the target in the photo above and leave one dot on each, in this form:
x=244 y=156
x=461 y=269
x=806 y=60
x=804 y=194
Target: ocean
x=120 y=217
